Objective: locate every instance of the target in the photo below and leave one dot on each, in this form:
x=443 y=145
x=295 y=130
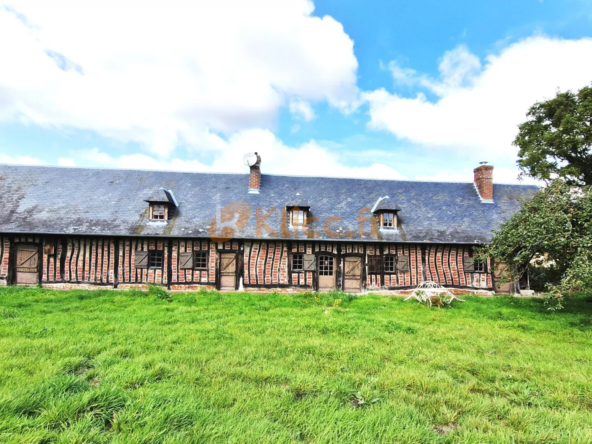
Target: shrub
x=159 y=293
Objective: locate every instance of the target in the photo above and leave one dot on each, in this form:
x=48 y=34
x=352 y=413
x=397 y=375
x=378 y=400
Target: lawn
x=127 y=367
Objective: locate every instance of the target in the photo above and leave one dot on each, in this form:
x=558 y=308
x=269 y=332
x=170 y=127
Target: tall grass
x=126 y=367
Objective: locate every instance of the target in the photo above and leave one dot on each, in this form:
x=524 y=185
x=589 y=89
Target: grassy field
x=127 y=367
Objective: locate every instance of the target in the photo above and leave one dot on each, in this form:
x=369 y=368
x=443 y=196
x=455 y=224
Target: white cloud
x=169 y=74
x=302 y=109
x=309 y=159
x=20 y=160
x=478 y=109
x=63 y=161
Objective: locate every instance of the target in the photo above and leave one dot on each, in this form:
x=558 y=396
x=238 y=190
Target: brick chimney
x=484 y=182
x=255 y=176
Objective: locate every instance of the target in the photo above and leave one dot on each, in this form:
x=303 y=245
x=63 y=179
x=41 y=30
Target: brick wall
x=85 y=259
x=129 y=274
x=265 y=263
x=4 y=254
x=193 y=276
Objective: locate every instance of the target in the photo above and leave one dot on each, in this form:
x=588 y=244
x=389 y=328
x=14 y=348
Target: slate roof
x=111 y=202
x=386 y=205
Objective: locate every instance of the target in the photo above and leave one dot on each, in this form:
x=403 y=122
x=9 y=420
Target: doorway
x=326 y=271
x=228 y=271
x=352 y=276
x=27 y=264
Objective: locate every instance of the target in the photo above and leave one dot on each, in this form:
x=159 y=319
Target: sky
x=421 y=90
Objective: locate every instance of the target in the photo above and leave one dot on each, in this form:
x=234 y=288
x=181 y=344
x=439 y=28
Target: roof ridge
x=246 y=174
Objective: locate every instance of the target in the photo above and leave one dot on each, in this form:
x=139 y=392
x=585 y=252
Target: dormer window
x=388 y=221
x=162 y=205
x=158 y=212
x=297 y=218
x=386 y=211
x=297 y=215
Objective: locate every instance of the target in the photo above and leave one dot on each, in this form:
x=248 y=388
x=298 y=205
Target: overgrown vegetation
x=126 y=367
x=552 y=234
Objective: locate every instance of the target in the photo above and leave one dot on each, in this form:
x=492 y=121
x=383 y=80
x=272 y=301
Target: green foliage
x=552 y=234
x=159 y=293
x=556 y=141
x=210 y=367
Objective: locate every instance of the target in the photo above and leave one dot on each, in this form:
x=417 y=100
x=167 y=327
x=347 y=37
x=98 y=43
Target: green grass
x=127 y=367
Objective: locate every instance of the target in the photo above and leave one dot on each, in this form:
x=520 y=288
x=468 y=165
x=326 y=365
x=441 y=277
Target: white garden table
x=427 y=289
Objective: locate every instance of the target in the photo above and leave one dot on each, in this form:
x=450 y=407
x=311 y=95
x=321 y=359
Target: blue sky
x=420 y=90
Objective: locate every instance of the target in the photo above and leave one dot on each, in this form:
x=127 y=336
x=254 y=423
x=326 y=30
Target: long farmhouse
x=76 y=227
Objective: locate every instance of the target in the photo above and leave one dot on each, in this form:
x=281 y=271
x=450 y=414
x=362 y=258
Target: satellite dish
x=250 y=159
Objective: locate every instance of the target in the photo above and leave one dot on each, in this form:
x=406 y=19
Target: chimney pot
x=484 y=182
x=255 y=176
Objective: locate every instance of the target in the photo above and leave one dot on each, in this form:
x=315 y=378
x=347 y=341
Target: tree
x=556 y=140
x=552 y=233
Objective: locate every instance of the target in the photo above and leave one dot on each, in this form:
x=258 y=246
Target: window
x=479 y=265
x=201 y=260
x=159 y=212
x=297 y=217
x=374 y=264
x=155 y=258
x=297 y=262
x=389 y=264
x=326 y=265
x=388 y=221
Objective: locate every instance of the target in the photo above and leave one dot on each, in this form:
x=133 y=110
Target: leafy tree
x=556 y=140
x=553 y=234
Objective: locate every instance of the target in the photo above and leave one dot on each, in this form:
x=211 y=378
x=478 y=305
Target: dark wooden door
x=326 y=272
x=27 y=265
x=352 y=275
x=228 y=271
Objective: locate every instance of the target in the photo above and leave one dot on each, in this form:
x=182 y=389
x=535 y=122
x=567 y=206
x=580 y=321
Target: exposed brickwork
x=93 y=261
x=255 y=175
x=4 y=253
x=484 y=181
x=191 y=287
x=86 y=260
x=266 y=263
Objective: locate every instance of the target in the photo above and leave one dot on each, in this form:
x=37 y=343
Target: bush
x=159 y=293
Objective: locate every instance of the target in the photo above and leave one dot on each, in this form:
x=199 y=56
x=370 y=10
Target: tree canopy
x=556 y=140
x=553 y=233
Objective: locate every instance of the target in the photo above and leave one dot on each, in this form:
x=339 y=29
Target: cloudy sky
x=421 y=90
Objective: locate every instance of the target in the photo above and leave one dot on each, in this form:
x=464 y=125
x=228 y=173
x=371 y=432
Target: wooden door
x=27 y=265
x=326 y=272
x=352 y=275
x=228 y=271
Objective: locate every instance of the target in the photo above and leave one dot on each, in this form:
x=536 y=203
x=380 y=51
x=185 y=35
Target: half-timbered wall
x=446 y=266
x=128 y=273
x=78 y=260
x=4 y=255
x=266 y=263
x=193 y=275
x=384 y=279
x=439 y=263
x=301 y=278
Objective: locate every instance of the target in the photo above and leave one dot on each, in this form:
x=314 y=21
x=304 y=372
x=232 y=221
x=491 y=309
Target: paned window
x=158 y=212
x=388 y=220
x=201 y=260
x=389 y=264
x=297 y=218
x=155 y=258
x=479 y=265
x=297 y=262
x=326 y=265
